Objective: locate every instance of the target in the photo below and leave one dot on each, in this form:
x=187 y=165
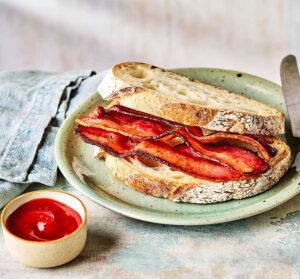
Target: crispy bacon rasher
x=124 y=132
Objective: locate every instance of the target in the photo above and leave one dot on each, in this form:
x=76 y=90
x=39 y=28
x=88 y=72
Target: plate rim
x=152 y=216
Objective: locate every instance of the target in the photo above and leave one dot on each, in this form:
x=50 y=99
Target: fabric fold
x=40 y=105
x=33 y=104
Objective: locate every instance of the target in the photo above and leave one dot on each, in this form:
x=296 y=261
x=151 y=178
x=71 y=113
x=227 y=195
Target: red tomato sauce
x=43 y=220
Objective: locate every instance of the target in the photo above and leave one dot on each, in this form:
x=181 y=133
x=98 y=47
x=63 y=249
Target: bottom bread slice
x=159 y=180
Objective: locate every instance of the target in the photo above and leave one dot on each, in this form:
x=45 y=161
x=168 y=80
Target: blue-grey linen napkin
x=33 y=104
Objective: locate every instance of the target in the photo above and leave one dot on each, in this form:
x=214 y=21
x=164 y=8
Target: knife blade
x=290 y=80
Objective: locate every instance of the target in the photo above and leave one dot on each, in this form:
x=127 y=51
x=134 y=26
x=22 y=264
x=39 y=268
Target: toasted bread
x=175 y=97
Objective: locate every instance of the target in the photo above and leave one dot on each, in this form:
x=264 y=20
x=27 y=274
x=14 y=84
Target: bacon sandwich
x=174 y=137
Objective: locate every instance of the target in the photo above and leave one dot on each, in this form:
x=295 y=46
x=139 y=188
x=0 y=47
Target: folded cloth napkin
x=33 y=104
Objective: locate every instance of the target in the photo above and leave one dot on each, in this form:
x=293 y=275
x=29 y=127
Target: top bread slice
x=175 y=97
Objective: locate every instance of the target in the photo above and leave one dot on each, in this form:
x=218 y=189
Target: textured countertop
x=263 y=246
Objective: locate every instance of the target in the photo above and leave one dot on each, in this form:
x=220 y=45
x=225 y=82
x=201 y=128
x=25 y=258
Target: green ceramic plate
x=91 y=177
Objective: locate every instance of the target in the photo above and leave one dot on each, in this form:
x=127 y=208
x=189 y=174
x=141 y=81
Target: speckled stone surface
x=264 y=246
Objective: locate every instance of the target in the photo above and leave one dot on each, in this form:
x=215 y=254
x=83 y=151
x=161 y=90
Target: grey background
x=250 y=36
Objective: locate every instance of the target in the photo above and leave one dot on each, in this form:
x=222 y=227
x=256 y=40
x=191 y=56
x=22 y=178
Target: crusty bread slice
x=175 y=97
x=159 y=180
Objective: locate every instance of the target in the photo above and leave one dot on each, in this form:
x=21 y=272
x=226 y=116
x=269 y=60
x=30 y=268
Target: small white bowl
x=46 y=253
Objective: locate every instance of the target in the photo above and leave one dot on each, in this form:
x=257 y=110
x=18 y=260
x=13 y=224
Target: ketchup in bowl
x=43 y=219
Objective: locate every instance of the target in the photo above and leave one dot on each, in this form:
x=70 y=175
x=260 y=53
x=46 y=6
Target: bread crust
x=208 y=118
x=113 y=87
x=194 y=190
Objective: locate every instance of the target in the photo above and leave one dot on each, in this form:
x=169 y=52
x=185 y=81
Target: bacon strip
x=257 y=141
x=120 y=130
x=225 y=157
x=127 y=125
x=179 y=157
x=134 y=125
x=139 y=124
x=241 y=138
x=240 y=159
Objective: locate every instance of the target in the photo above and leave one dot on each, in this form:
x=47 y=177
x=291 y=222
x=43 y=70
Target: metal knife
x=290 y=80
x=291 y=90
